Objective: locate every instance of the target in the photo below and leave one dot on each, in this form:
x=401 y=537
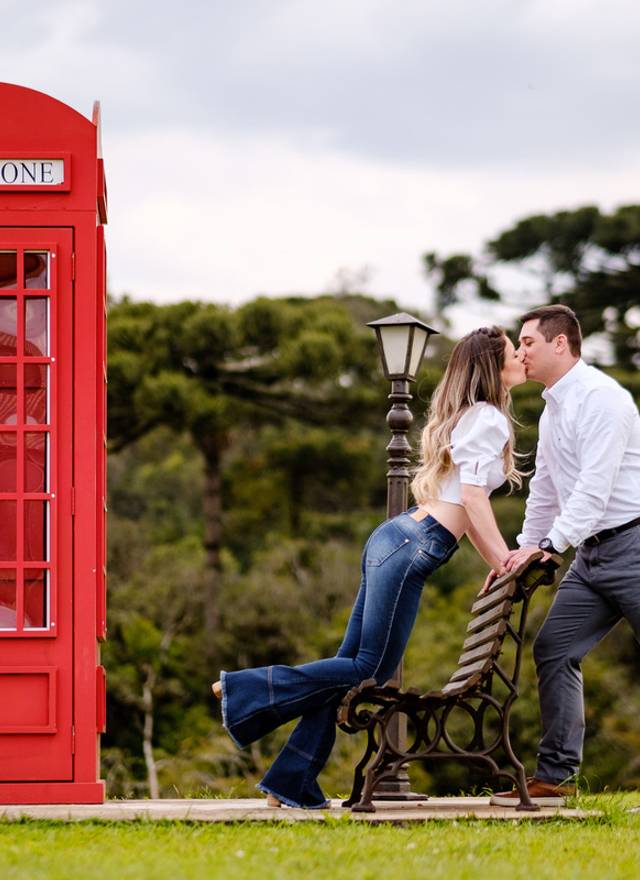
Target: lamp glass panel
x=395 y=340
x=419 y=336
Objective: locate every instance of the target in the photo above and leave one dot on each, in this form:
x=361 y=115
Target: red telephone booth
x=52 y=450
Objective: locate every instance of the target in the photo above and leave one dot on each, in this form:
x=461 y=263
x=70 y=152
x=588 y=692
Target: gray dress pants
x=601 y=587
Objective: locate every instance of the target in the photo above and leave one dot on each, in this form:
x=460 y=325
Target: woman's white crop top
x=477 y=446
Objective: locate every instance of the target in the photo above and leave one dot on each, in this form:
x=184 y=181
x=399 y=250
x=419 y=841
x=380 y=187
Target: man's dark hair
x=557 y=319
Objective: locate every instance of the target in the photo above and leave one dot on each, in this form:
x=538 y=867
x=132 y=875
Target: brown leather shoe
x=543 y=794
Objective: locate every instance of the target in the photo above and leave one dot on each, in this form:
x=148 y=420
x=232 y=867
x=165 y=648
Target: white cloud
x=261 y=145
x=225 y=219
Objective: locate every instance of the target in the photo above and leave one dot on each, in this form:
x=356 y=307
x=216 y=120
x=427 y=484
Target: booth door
x=36 y=591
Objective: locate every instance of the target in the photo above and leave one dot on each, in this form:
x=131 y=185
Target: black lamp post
x=402 y=341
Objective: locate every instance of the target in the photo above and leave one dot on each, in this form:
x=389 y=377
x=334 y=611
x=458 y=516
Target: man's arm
x=603 y=430
x=542 y=506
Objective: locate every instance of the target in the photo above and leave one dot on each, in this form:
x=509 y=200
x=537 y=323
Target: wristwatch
x=547 y=546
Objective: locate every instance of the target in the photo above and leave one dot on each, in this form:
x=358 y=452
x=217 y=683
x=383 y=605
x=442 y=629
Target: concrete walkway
x=256 y=810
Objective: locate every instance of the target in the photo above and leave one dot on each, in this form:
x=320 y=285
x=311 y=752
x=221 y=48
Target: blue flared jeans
x=397 y=558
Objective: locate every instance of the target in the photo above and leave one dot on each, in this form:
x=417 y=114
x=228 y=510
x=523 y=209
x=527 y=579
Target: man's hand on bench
x=516 y=558
x=521 y=560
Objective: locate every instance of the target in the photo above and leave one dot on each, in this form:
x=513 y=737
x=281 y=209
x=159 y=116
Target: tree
x=216 y=373
x=584 y=258
x=299 y=500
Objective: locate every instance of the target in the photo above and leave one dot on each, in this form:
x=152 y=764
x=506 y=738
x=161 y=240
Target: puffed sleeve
x=478 y=441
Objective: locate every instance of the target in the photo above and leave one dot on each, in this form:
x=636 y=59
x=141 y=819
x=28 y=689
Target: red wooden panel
x=36 y=765
x=101 y=699
x=36 y=573
x=27 y=700
x=101 y=444
x=51 y=792
x=88 y=448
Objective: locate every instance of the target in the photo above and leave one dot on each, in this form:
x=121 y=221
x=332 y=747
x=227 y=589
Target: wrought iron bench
x=475 y=704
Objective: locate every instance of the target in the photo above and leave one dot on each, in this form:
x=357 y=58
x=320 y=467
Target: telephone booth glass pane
x=8 y=396
x=36 y=462
x=8 y=593
x=36 y=531
x=8 y=270
x=7 y=461
x=36 y=327
x=7 y=531
x=36 y=598
x=8 y=326
x=36 y=394
x=36 y=270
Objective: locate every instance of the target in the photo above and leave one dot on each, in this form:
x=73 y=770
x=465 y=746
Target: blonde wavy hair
x=472 y=375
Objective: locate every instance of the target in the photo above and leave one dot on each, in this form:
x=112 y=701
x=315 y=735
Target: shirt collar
x=559 y=389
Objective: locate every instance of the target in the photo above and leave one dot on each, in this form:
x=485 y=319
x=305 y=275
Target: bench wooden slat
x=488 y=649
x=499 y=612
x=490 y=599
x=501 y=581
x=509 y=577
x=461 y=686
x=486 y=635
x=467 y=671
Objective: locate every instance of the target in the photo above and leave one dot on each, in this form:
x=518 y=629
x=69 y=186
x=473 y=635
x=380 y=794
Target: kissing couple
x=585 y=494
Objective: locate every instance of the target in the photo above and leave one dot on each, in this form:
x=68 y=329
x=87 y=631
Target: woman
x=467 y=451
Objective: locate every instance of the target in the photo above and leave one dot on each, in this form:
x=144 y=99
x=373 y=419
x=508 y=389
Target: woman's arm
x=483 y=531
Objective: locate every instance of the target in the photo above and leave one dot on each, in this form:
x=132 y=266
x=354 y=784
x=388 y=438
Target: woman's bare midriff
x=452 y=516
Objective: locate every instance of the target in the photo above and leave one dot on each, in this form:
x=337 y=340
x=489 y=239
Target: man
x=585 y=494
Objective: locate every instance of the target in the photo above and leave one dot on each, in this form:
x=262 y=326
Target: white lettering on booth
x=31 y=172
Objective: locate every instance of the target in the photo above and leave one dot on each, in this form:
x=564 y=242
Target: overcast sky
x=268 y=146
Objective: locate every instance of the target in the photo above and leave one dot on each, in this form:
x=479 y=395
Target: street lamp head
x=402 y=340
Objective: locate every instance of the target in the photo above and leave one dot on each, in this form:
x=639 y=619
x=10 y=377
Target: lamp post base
x=398 y=789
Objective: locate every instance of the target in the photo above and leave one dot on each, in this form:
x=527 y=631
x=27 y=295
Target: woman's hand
x=493 y=574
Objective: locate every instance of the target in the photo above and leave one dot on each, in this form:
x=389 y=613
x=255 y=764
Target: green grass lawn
x=605 y=847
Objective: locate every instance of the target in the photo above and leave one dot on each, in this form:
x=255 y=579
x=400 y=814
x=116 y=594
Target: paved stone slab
x=256 y=810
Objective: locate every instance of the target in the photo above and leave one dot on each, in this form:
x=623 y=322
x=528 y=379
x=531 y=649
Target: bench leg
x=365 y=804
x=373 y=775
x=358 y=775
x=526 y=804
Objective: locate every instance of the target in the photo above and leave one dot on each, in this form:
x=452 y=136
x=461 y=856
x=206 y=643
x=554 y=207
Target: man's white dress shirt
x=587 y=474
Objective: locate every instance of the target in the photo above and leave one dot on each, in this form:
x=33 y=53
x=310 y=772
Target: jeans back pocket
x=438 y=551
x=386 y=541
